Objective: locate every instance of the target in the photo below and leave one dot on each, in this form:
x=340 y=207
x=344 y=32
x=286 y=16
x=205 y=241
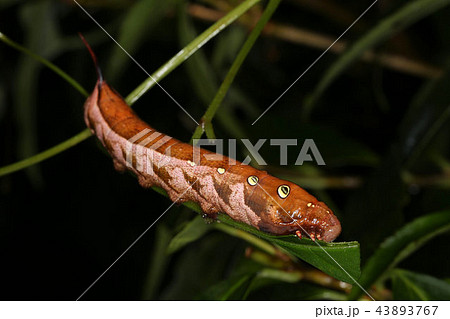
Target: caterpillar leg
x=145 y=182
x=119 y=166
x=298 y=234
x=209 y=218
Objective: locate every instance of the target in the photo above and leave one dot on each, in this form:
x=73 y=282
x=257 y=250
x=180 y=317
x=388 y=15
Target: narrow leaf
x=408 y=285
x=158 y=264
x=191 y=48
x=339 y=260
x=230 y=289
x=192 y=231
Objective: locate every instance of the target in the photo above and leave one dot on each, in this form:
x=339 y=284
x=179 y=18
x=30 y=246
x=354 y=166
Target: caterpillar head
x=318 y=221
x=290 y=209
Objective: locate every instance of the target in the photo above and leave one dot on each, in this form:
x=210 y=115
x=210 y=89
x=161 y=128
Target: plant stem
x=8 y=169
x=190 y=49
x=164 y=70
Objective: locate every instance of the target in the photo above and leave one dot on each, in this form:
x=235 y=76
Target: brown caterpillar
x=217 y=183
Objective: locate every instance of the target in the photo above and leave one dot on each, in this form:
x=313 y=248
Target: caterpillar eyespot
x=241 y=191
x=283 y=191
x=253 y=180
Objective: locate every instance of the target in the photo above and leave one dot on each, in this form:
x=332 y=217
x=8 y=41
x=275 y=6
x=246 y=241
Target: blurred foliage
x=376 y=104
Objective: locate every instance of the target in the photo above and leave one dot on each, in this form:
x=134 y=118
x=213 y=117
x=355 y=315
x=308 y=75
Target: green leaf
x=192 y=231
x=239 y=287
x=339 y=260
x=228 y=46
x=158 y=264
x=203 y=78
x=426 y=115
x=162 y=72
x=399 y=246
x=240 y=58
x=45 y=62
x=410 y=13
x=230 y=289
x=198 y=267
x=43 y=37
x=408 y=285
x=269 y=277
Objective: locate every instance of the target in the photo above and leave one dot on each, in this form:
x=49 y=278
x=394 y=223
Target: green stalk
x=190 y=49
x=59 y=148
x=205 y=124
x=8 y=169
x=47 y=63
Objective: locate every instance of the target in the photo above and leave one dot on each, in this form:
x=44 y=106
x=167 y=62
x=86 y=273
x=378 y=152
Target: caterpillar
x=216 y=182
